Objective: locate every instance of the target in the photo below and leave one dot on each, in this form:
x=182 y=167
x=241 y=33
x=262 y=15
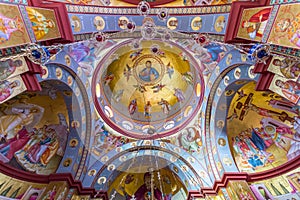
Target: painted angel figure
x=135 y=55
x=161 y=53
x=183 y=56
x=170 y=70
x=108 y=78
x=157 y=87
x=140 y=88
x=127 y=72
x=188 y=77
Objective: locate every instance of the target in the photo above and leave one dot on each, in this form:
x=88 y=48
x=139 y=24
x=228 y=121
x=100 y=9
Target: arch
x=170 y=153
x=80 y=121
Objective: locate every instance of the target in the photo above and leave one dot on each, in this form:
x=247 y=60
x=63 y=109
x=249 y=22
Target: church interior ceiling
x=149 y=112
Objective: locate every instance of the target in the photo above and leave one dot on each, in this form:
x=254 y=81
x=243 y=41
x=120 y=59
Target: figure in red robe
x=132 y=106
x=256 y=24
x=290 y=89
x=14 y=144
x=144 y=191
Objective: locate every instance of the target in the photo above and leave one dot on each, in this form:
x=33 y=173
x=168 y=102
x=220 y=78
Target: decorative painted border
x=287 y=51
x=11 y=51
x=111 y=23
x=27 y=23
x=283 y=1
x=270 y=23
x=18 y=2
x=219 y=114
x=86 y=36
x=153 y=11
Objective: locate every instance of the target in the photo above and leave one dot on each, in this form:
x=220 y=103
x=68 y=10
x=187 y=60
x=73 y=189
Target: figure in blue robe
x=149 y=73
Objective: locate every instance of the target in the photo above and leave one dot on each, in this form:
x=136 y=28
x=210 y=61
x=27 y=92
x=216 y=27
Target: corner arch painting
x=30 y=139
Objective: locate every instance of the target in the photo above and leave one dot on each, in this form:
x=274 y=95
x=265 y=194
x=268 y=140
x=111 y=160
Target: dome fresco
x=148 y=92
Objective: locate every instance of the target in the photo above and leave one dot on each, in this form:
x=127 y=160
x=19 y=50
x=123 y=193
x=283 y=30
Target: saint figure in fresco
x=50 y=195
x=257 y=23
x=149 y=73
x=289 y=68
x=147 y=110
x=179 y=94
x=165 y=106
x=145 y=191
x=42 y=146
x=40 y=24
x=290 y=28
x=290 y=89
x=14 y=144
x=132 y=106
x=7 y=88
x=8 y=26
x=8 y=67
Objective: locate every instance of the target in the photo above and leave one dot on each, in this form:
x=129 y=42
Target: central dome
x=148 y=92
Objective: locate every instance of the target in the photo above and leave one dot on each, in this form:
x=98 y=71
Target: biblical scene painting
x=285 y=67
x=286 y=28
x=253 y=23
x=139 y=185
x=12 y=28
x=43 y=23
x=263 y=129
x=33 y=138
